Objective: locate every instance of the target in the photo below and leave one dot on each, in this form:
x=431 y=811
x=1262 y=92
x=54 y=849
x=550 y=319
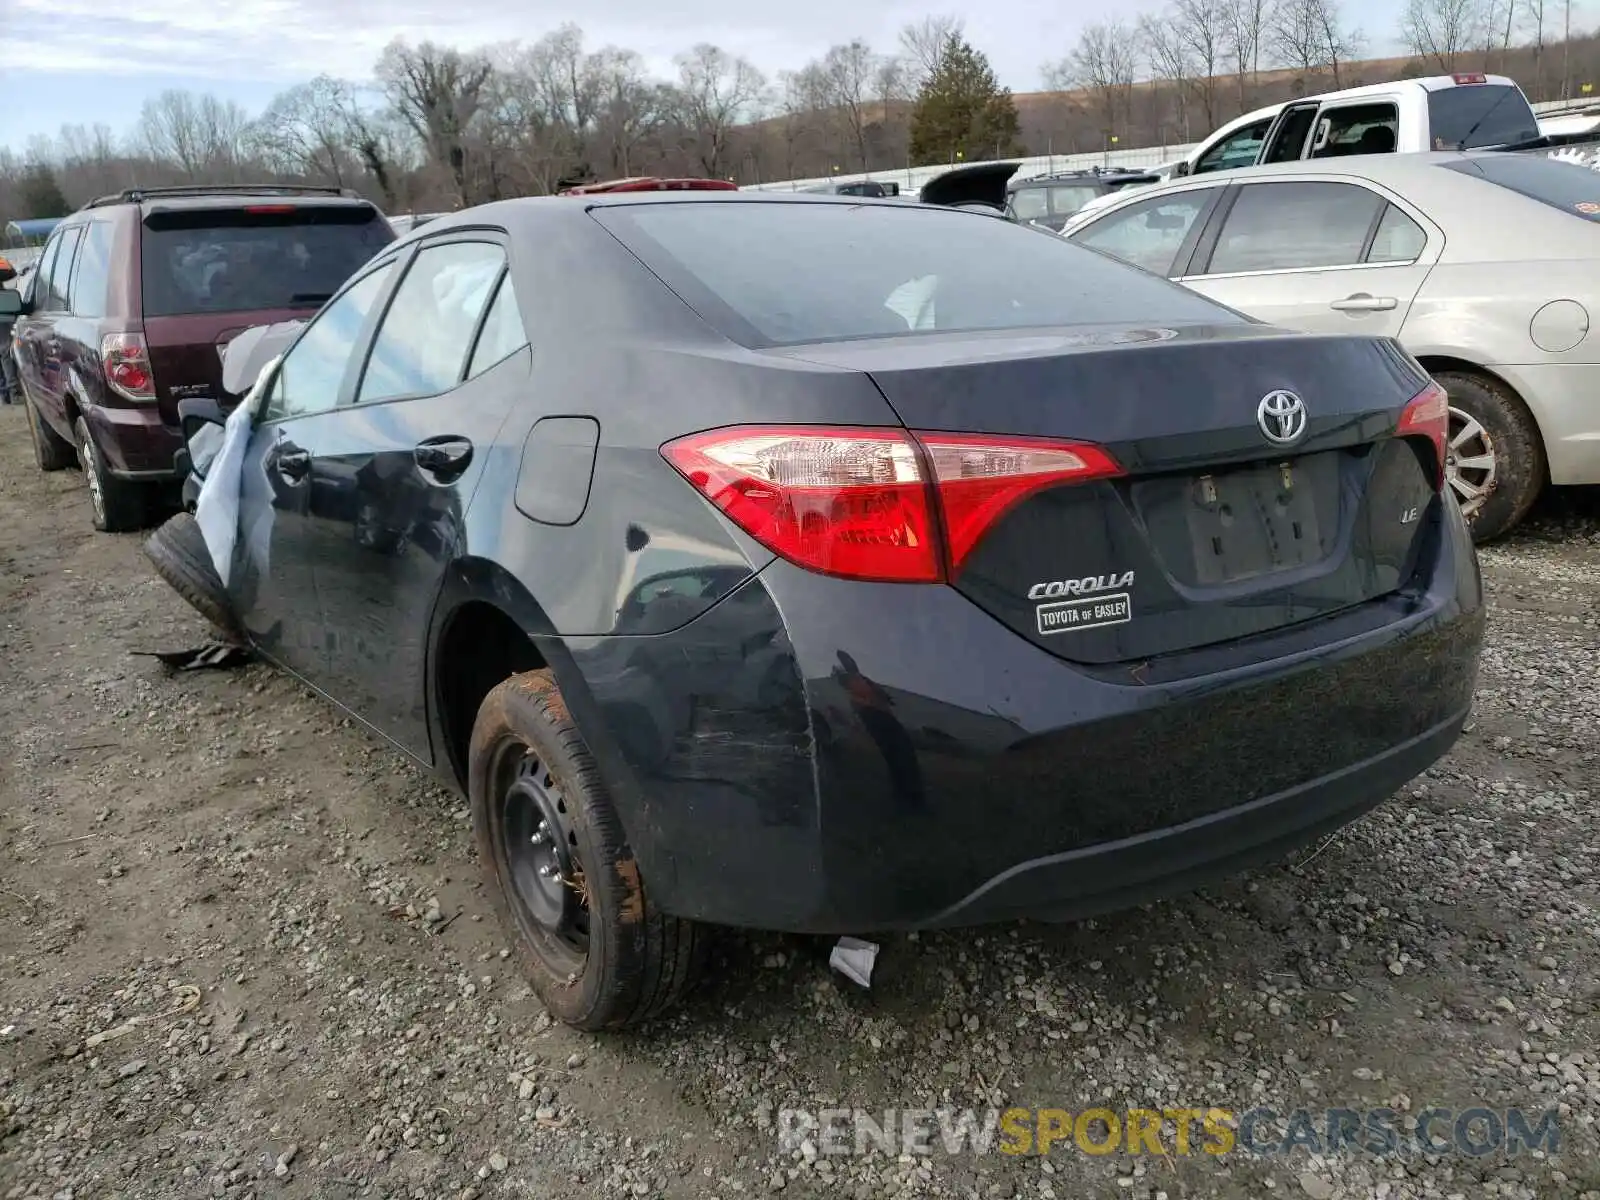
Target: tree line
x=439 y=127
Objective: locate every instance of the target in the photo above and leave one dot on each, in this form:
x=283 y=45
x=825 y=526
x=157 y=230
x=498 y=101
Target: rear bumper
x=136 y=442
x=1565 y=400
x=831 y=758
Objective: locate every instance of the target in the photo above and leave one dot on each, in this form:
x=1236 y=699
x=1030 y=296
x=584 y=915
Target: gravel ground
x=243 y=953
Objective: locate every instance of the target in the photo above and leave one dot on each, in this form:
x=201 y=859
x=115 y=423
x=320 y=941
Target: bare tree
x=1309 y=35
x=437 y=91
x=1245 y=23
x=716 y=90
x=1566 y=49
x=197 y=133
x=1534 y=22
x=629 y=107
x=848 y=77
x=306 y=131
x=169 y=130
x=921 y=45
x=1202 y=27
x=1440 y=31
x=1498 y=23
x=1103 y=63
x=1170 y=63
x=1341 y=43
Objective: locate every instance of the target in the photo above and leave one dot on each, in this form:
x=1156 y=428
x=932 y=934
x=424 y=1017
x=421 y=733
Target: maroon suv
x=135 y=297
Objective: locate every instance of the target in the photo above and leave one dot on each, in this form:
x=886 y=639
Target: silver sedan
x=1485 y=266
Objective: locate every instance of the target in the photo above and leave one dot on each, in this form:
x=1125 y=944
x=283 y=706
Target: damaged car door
x=283 y=524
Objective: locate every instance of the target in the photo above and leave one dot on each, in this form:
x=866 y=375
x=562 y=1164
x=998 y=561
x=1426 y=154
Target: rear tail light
x=1470 y=77
x=1428 y=416
x=126 y=362
x=843 y=502
x=980 y=479
x=869 y=503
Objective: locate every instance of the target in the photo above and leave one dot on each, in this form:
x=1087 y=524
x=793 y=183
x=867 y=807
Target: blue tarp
x=33 y=230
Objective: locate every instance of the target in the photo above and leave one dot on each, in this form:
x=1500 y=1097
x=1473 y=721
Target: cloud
x=289 y=40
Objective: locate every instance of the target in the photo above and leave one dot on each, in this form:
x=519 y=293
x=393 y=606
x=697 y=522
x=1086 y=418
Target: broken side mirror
x=202 y=420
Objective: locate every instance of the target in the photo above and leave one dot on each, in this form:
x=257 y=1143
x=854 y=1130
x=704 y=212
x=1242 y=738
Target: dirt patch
x=243 y=952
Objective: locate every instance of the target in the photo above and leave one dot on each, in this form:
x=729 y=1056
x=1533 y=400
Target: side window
x=59 y=298
x=1399 y=239
x=503 y=331
x=1029 y=204
x=1148 y=234
x=312 y=372
x=423 y=342
x=1289 y=142
x=93 y=275
x=1295 y=227
x=1238 y=149
x=40 y=288
x=1357 y=129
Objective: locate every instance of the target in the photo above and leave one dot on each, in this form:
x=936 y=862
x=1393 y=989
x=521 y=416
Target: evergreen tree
x=41 y=195
x=962 y=113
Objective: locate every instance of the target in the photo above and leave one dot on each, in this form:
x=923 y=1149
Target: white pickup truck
x=1441 y=112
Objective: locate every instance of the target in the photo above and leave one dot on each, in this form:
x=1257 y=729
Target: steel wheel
x=542 y=861
x=1470 y=465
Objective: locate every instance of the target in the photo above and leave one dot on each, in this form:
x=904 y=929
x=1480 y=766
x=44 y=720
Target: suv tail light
x=869 y=503
x=1428 y=416
x=126 y=362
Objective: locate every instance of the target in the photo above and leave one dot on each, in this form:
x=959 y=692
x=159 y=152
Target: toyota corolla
x=812 y=565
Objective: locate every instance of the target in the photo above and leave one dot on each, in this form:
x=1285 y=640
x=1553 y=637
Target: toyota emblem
x=1281 y=416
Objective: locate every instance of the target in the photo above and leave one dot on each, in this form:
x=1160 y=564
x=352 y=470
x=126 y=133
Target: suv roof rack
x=138 y=195
x=1081 y=172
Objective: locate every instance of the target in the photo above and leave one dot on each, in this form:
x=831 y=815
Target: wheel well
x=479 y=648
x=1435 y=363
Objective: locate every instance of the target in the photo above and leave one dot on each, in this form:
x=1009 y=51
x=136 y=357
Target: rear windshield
x=1567 y=186
x=211 y=260
x=779 y=274
x=1475 y=115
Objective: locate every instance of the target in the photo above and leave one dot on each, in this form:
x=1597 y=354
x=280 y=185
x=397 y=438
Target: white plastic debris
x=247 y=355
x=853 y=958
x=217 y=509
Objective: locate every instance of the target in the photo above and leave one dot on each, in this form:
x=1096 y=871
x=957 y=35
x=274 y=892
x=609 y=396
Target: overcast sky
x=88 y=61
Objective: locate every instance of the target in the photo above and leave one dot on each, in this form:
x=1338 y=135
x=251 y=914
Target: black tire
x=178 y=552
x=1497 y=427
x=117 y=505
x=634 y=961
x=50 y=450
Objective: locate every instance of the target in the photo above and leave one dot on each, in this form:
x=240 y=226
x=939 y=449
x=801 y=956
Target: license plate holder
x=1252 y=521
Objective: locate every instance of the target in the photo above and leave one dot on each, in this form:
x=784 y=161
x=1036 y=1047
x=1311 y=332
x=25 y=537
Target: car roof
x=1377 y=167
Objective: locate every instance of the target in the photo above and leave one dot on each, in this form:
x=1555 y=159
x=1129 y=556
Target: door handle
x=293 y=463
x=1364 y=302
x=443 y=457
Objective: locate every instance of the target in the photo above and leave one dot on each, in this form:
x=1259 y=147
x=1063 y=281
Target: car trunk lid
x=1212 y=532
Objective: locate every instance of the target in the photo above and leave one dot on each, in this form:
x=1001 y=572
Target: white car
x=1485 y=266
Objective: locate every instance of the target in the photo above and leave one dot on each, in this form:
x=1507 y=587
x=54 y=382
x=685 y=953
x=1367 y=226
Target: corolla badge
x=1281 y=416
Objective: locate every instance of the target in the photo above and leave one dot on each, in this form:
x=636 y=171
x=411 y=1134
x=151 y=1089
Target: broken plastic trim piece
x=854 y=959
x=215 y=656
